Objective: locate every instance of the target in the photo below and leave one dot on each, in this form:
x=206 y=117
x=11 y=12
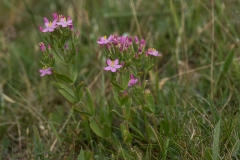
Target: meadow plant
x=61 y=40
x=128 y=63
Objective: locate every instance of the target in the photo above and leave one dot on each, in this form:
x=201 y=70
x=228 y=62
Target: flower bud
x=55 y=16
x=71 y=27
x=42 y=46
x=40 y=28
x=136 y=40
x=142 y=43
x=66 y=46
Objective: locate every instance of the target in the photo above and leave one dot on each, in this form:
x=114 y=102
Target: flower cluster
x=59 y=20
x=128 y=52
x=60 y=31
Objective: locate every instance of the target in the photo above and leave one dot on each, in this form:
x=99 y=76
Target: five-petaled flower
x=45 y=71
x=153 y=52
x=104 y=40
x=50 y=26
x=132 y=80
x=112 y=65
x=64 y=23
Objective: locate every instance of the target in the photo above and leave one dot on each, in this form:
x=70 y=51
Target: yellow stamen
x=50 y=24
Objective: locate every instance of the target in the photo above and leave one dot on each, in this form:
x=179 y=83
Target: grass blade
x=216 y=137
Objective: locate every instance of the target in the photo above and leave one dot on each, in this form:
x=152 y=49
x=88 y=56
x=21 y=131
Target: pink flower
x=142 y=42
x=66 y=46
x=55 y=15
x=153 y=52
x=132 y=80
x=136 y=40
x=123 y=43
x=42 y=46
x=50 y=26
x=64 y=23
x=104 y=40
x=40 y=28
x=71 y=28
x=45 y=71
x=112 y=65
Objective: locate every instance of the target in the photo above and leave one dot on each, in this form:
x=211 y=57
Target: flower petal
x=113 y=69
x=107 y=68
x=109 y=62
x=41 y=70
x=45 y=30
x=118 y=66
x=43 y=74
x=116 y=62
x=48 y=72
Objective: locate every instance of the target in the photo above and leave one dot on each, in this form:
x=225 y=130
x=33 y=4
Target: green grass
x=195 y=84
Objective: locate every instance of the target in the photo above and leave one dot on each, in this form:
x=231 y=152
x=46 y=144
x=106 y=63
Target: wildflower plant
x=129 y=62
x=61 y=39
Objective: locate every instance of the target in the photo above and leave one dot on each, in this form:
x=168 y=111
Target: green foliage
x=216 y=137
x=178 y=109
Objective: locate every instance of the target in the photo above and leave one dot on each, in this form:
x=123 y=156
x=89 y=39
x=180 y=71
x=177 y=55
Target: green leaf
x=89 y=101
x=166 y=146
x=127 y=137
x=122 y=127
x=88 y=155
x=54 y=130
x=37 y=144
x=96 y=128
x=58 y=56
x=65 y=91
x=79 y=110
x=150 y=107
x=64 y=78
x=235 y=150
x=128 y=108
x=79 y=91
x=116 y=86
x=226 y=67
x=67 y=95
x=117 y=113
x=74 y=73
x=81 y=155
x=208 y=153
x=136 y=130
x=43 y=63
x=216 y=137
x=116 y=95
x=125 y=79
x=124 y=100
x=106 y=130
x=228 y=62
x=149 y=68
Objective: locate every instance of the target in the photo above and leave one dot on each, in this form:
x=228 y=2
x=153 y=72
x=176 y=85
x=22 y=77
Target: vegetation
x=193 y=88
